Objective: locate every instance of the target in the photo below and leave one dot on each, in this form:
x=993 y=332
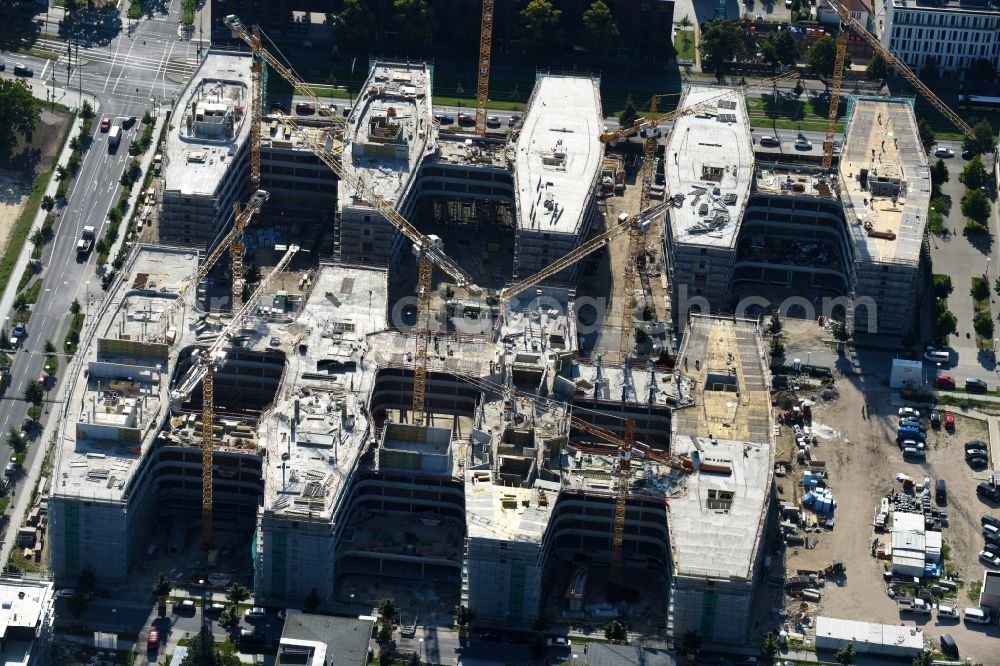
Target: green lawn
x=685 y=44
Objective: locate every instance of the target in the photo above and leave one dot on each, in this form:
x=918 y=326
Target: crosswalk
x=161 y=65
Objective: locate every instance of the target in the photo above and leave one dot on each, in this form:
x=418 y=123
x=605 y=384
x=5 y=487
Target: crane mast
x=483 y=83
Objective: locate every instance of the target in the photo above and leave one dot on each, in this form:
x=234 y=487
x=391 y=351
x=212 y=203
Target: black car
x=128 y=122
x=935 y=420
x=989 y=520
x=990 y=537
x=977 y=462
x=975 y=453
x=948 y=645
x=3 y=65
x=493 y=638
x=988 y=490
x=21 y=70
x=444 y=119
x=975 y=386
x=968 y=154
x=992 y=548
x=975 y=444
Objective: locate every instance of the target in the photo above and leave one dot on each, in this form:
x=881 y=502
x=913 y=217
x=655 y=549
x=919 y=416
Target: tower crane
x=242 y=216
x=891 y=60
x=429 y=250
x=483 y=84
x=204 y=365
x=256 y=100
x=626 y=448
x=253 y=39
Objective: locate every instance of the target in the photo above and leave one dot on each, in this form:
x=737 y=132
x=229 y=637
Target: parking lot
x=862 y=461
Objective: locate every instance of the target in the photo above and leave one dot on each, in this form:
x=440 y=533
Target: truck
x=86 y=242
x=114 y=137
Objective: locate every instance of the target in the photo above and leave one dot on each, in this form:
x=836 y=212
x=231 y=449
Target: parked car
x=975 y=444
x=184 y=606
x=444 y=119
x=941 y=151
x=948 y=645
x=908 y=411
x=973 y=453
x=558 y=641
x=948 y=611
x=493 y=121
x=989 y=520
x=975 y=386
x=945 y=382
x=978 y=462
x=992 y=548
x=153 y=640
x=305 y=108
x=65 y=592
x=513 y=120
x=949 y=421
x=935 y=420
x=256 y=611
x=913 y=423
x=988 y=490
x=989 y=559
x=3 y=65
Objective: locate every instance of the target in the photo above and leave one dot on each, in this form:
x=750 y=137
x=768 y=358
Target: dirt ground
x=862 y=460
x=18 y=173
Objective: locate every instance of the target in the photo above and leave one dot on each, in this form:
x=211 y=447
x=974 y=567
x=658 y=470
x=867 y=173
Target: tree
x=770 y=645
x=540 y=26
x=311 y=602
x=37 y=237
x=976 y=206
x=629 y=114
x=777 y=347
x=925 y=658
x=779 y=48
x=236 y=593
x=840 y=332
x=62 y=173
x=845 y=655
x=414 y=20
x=616 y=632
x=74 y=307
x=86 y=111
x=974 y=174
x=878 y=69
x=983 y=323
x=926 y=133
x=721 y=41
x=822 y=56
x=388 y=609
x=353 y=25
x=414 y=660
x=929 y=72
x=463 y=616
x=980 y=289
x=18 y=114
x=48 y=203
x=985 y=140
x=939 y=173
x=600 y=30
x=34 y=392
x=229 y=619
x=945 y=324
x=49 y=348
x=775 y=326
x=941 y=285
x=161 y=587
x=202 y=651
x=14 y=439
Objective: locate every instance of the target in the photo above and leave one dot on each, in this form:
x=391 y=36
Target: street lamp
x=420 y=643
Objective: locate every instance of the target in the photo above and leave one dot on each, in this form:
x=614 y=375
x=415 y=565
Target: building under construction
x=749 y=232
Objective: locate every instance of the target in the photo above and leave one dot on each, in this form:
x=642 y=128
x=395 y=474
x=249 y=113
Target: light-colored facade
x=952 y=34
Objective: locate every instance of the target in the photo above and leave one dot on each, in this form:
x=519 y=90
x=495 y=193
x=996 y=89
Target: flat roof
x=507 y=513
x=318 y=640
x=963 y=6
x=197 y=155
x=309 y=467
x=870 y=633
x=17 y=611
x=882 y=150
x=390 y=129
x=709 y=161
x=118 y=397
x=727 y=431
x=559 y=153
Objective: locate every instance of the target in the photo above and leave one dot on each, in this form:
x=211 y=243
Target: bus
x=979 y=102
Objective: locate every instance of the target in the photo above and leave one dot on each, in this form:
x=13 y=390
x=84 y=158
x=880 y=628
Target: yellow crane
x=892 y=61
x=428 y=249
x=204 y=364
x=831 y=116
x=242 y=216
x=483 y=83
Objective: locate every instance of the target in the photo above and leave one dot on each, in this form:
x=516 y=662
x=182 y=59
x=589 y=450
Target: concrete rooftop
x=390 y=129
x=209 y=126
x=882 y=144
x=709 y=160
x=558 y=153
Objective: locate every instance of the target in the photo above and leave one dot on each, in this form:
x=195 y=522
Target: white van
x=977 y=615
x=937 y=356
x=947 y=611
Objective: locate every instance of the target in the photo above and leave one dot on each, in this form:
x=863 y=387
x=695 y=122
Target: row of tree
x=541 y=26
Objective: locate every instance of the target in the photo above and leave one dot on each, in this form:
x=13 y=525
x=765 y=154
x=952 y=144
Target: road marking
x=42 y=75
x=124 y=66
x=110 y=69
x=163 y=78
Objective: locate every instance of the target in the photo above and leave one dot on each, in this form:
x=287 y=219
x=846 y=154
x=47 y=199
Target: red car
x=305 y=108
x=105 y=123
x=949 y=420
x=945 y=382
x=466 y=119
x=153 y=642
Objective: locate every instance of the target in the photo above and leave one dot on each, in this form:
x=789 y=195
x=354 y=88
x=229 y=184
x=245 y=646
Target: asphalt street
x=124 y=77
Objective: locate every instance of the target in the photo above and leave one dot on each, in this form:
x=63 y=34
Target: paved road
x=123 y=73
